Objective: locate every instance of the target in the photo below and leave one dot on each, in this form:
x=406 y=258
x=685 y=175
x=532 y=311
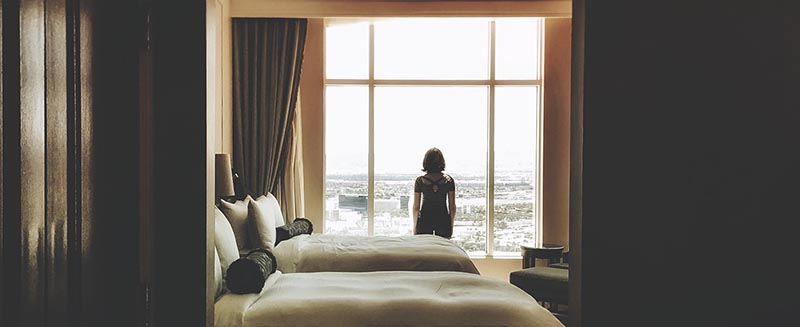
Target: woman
x=437 y=193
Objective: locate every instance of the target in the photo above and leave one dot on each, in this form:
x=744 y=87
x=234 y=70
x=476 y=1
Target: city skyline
x=346 y=208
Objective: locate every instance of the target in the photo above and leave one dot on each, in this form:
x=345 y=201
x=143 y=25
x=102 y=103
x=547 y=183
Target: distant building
x=386 y=204
x=333 y=214
x=353 y=202
x=404 y=202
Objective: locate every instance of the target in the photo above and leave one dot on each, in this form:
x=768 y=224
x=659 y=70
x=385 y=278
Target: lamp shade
x=223 y=175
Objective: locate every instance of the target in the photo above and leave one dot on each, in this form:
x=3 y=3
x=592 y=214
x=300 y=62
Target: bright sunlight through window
x=469 y=86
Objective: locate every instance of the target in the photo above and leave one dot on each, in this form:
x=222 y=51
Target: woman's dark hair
x=433 y=161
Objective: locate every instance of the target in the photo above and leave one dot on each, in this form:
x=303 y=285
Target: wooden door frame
x=576 y=164
x=176 y=155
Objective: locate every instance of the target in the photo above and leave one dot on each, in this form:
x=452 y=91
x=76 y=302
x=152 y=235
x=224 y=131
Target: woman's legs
x=437 y=224
x=443 y=228
x=424 y=226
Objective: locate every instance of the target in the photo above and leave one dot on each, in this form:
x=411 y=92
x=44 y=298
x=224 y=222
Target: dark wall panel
x=181 y=156
x=689 y=167
x=2 y=90
x=111 y=36
x=68 y=224
x=88 y=306
x=576 y=164
x=56 y=151
x=32 y=163
x=11 y=256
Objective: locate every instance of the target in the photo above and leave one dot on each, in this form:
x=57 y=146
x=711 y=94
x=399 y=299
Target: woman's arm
x=415 y=210
x=451 y=200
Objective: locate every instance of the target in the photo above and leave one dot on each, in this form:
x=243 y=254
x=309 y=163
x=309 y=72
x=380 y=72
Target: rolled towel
x=297 y=227
x=248 y=274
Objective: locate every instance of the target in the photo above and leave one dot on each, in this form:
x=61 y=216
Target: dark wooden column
x=182 y=155
x=68 y=223
x=57 y=190
x=23 y=213
x=575 y=314
x=111 y=35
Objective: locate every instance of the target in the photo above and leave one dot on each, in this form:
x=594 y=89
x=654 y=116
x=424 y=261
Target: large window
x=469 y=86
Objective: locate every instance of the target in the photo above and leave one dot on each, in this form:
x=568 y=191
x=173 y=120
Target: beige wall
x=398 y=8
x=555 y=152
x=312 y=98
x=497 y=268
x=220 y=47
x=217 y=21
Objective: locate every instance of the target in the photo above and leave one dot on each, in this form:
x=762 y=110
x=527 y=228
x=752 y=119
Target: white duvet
x=325 y=252
x=386 y=299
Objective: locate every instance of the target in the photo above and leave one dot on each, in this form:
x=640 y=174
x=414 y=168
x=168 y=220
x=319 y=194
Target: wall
x=688 y=171
x=497 y=268
x=179 y=187
x=392 y=8
x=312 y=98
x=218 y=102
x=220 y=32
x=555 y=152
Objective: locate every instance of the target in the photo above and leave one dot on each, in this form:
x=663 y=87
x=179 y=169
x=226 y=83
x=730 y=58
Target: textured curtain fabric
x=267 y=58
x=290 y=190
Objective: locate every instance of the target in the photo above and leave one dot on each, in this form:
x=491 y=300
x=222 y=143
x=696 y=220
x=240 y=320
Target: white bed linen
x=230 y=308
x=325 y=252
x=387 y=299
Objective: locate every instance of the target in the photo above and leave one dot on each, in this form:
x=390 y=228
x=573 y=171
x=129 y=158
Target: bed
x=384 y=298
x=324 y=252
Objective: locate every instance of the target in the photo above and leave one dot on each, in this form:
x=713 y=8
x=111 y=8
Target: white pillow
x=237 y=216
x=225 y=240
x=266 y=208
x=269 y=201
x=218 y=285
x=262 y=227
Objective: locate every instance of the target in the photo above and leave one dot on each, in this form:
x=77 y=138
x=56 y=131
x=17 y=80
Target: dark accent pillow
x=248 y=274
x=239 y=190
x=297 y=227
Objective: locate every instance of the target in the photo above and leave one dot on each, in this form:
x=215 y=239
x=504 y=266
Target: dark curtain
x=267 y=58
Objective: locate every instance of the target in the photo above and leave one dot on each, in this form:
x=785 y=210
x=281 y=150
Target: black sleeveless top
x=434 y=193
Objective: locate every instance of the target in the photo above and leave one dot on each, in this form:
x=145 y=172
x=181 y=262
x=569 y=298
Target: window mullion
x=537 y=201
x=490 y=145
x=371 y=160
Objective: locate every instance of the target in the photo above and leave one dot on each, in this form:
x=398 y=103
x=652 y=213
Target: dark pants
x=439 y=226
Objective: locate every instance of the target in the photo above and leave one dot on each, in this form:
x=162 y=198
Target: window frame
x=371 y=82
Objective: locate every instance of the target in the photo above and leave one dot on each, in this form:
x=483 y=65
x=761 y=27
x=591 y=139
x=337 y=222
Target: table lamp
x=223 y=181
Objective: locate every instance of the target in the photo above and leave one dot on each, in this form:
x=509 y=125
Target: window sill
x=495 y=257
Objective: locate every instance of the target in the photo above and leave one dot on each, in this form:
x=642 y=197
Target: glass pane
x=515 y=165
x=409 y=121
x=423 y=48
x=347 y=51
x=346 y=160
x=517 y=48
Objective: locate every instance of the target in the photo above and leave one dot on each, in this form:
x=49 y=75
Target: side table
x=531 y=252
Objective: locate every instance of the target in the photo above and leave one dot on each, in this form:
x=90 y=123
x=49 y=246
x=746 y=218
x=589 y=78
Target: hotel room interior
x=662 y=138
